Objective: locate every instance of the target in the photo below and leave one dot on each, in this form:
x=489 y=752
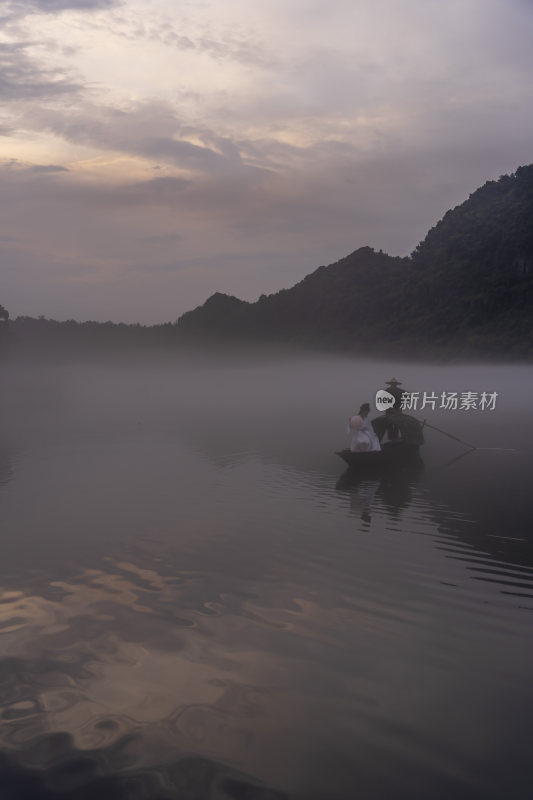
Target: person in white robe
x=362 y=435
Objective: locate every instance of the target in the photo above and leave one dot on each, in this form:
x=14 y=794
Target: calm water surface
x=197 y=601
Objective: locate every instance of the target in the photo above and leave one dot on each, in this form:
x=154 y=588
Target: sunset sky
x=152 y=153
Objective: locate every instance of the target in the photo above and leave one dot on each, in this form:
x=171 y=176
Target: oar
x=458 y=458
x=466 y=444
x=506 y=449
x=450 y=436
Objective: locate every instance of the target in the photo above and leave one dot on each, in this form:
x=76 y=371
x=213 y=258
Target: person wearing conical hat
x=394 y=425
x=393 y=387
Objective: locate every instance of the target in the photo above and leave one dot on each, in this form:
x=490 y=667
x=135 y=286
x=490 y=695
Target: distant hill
x=330 y=306
x=467 y=287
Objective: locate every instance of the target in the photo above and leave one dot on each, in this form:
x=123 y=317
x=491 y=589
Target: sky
x=153 y=152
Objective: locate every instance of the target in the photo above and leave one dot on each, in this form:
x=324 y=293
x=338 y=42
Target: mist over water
x=197 y=600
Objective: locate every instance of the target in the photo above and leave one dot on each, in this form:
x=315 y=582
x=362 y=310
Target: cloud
x=157 y=190
x=15 y=166
x=166 y=238
x=17 y=9
x=202 y=32
x=54 y=6
x=22 y=78
x=150 y=130
x=228 y=46
x=46 y=168
x=284 y=135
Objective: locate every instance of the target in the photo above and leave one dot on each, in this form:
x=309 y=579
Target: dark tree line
x=466 y=288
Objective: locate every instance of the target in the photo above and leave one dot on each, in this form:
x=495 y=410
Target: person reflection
x=360 y=492
x=5 y=464
x=396 y=492
x=361 y=499
x=391 y=491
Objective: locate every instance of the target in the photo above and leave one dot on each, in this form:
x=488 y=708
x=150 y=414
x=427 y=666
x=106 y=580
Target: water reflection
x=504 y=559
x=124 y=681
x=393 y=489
x=181 y=612
x=6 y=464
x=52 y=768
x=107 y=682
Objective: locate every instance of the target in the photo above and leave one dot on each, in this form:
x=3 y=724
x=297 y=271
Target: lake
x=197 y=600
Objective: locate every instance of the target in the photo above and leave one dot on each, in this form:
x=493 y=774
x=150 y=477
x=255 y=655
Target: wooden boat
x=401 y=436
x=393 y=455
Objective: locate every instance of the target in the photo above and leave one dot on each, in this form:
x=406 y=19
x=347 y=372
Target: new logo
x=384 y=400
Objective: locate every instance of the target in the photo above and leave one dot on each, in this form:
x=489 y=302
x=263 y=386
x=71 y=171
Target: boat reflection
x=392 y=487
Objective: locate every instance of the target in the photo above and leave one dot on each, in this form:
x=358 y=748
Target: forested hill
x=474 y=270
x=330 y=306
x=467 y=287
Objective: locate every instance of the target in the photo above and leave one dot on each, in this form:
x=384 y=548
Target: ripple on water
x=367 y=629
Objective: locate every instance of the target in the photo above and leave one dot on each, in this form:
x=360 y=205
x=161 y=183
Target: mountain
x=474 y=270
x=467 y=287
x=329 y=306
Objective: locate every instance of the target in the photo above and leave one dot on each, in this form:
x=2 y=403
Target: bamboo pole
x=466 y=444
x=450 y=436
